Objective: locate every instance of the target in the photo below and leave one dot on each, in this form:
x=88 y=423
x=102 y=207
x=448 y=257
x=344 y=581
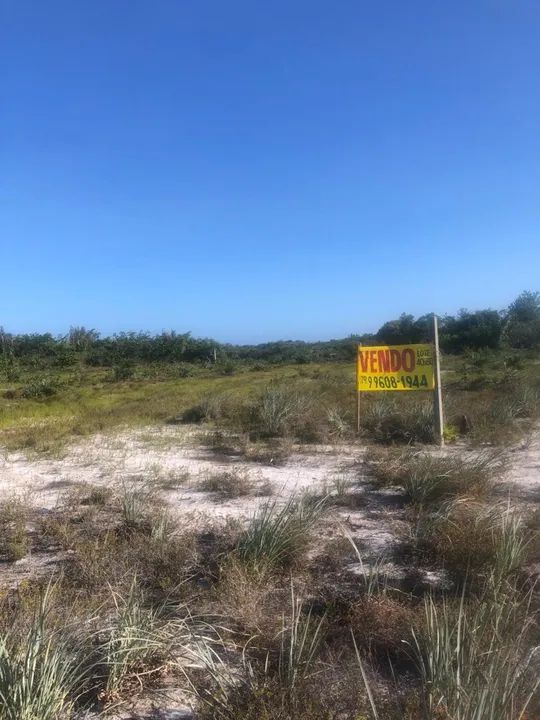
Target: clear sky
x=254 y=170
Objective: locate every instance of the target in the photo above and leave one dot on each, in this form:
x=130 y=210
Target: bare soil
x=172 y=459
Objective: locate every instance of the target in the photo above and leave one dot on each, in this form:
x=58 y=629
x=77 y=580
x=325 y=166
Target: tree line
x=518 y=326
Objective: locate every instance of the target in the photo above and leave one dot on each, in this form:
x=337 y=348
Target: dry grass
x=14 y=540
x=278 y=535
x=228 y=484
x=383 y=625
x=469 y=538
x=428 y=478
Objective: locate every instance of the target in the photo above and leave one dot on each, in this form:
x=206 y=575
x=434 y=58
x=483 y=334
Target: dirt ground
x=172 y=458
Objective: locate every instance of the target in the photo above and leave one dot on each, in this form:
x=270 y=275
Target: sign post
x=406 y=368
x=358 y=394
x=438 y=415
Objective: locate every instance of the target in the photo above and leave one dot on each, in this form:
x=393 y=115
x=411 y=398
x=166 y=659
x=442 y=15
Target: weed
x=270 y=452
x=278 y=685
x=170 y=479
x=300 y=642
x=252 y=600
x=138 y=642
x=40 y=388
x=389 y=421
x=137 y=504
x=338 y=422
x=382 y=624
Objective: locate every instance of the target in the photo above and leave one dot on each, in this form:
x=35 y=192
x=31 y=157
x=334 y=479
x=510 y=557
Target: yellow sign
x=395 y=367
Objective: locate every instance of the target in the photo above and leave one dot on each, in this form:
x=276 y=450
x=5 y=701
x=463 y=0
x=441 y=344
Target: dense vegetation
x=518 y=327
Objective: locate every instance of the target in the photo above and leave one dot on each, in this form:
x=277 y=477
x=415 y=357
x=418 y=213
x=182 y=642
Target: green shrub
x=122 y=371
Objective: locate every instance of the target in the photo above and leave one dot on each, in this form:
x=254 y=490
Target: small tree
x=522 y=329
x=81 y=338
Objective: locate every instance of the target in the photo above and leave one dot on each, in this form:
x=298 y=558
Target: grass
x=261 y=649
x=14 y=539
x=228 y=484
x=274 y=686
x=132 y=535
x=315 y=402
x=471 y=539
x=41 y=670
x=473 y=658
x=131 y=577
x=428 y=479
x=138 y=643
x=278 y=535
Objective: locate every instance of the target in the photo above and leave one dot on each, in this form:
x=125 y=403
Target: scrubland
x=225 y=546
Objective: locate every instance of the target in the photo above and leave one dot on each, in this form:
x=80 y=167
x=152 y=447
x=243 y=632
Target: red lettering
x=408 y=359
x=395 y=361
x=384 y=360
x=373 y=360
x=363 y=360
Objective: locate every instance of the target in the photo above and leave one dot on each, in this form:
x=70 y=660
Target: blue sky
x=253 y=171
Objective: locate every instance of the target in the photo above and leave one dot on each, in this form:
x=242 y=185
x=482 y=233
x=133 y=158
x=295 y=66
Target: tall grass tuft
x=469 y=538
x=271 y=686
x=277 y=535
x=389 y=421
x=300 y=642
x=472 y=658
x=40 y=671
x=138 y=641
x=429 y=479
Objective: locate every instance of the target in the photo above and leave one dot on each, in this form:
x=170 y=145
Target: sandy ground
x=159 y=456
x=163 y=454
x=171 y=459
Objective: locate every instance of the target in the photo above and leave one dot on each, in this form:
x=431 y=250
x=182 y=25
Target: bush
x=122 y=371
x=382 y=624
x=39 y=389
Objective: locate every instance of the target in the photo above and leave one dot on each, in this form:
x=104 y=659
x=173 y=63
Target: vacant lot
x=227 y=547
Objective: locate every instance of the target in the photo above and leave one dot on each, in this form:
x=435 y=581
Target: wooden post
x=438 y=414
x=357 y=393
